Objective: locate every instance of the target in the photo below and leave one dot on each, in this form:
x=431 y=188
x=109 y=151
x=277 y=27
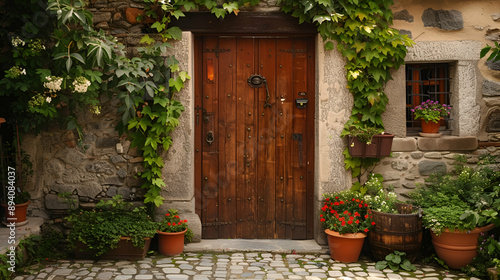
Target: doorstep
x=280 y=246
x=22 y=232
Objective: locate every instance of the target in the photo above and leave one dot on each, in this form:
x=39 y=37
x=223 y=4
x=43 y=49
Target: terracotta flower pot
x=345 y=247
x=19 y=214
x=171 y=243
x=430 y=127
x=457 y=248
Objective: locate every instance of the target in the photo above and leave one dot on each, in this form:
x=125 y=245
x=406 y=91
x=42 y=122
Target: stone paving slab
x=240 y=265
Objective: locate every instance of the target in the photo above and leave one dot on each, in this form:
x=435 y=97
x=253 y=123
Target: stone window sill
x=444 y=143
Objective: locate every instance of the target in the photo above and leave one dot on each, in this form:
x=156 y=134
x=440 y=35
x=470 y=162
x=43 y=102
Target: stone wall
x=413 y=159
x=103 y=166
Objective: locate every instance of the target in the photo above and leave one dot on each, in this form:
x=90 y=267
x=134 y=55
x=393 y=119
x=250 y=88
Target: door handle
x=210 y=138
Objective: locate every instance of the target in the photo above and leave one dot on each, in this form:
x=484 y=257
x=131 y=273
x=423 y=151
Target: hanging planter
x=379 y=147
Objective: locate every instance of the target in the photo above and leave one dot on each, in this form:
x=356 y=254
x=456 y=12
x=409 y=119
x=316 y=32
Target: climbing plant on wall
x=361 y=29
x=84 y=63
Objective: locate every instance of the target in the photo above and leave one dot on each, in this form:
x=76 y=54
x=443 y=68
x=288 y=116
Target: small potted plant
x=457 y=209
x=347 y=219
x=369 y=142
x=172 y=234
x=113 y=230
x=430 y=114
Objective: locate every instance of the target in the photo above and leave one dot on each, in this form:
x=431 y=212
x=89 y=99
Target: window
x=423 y=82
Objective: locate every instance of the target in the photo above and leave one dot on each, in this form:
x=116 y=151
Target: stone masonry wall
x=413 y=159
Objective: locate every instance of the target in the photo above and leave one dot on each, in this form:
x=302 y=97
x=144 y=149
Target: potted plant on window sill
x=457 y=209
x=369 y=142
x=431 y=115
x=113 y=230
x=347 y=219
x=172 y=234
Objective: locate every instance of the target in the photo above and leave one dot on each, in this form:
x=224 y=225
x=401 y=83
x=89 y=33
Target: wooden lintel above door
x=245 y=23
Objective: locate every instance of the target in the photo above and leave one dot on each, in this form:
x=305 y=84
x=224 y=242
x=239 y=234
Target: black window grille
x=423 y=82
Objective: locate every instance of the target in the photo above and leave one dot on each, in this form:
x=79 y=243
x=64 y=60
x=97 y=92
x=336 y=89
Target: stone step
x=21 y=232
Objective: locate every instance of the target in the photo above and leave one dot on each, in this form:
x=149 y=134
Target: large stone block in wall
x=407 y=144
x=491 y=88
x=70 y=157
x=403 y=15
x=54 y=202
x=428 y=167
x=447 y=143
x=443 y=19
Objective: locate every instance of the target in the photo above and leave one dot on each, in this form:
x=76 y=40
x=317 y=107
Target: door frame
x=311 y=87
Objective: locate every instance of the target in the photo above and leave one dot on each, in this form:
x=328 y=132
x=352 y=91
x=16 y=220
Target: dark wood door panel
x=256 y=171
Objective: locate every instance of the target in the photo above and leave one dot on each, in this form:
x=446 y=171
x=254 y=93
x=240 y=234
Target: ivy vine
x=80 y=55
x=371 y=48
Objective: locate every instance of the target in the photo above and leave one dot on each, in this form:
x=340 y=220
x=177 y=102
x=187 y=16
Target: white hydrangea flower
x=53 y=83
x=81 y=84
x=16 y=41
x=48 y=99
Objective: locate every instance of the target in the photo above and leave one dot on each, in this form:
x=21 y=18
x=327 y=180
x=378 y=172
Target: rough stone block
x=447 y=143
x=113 y=180
x=194 y=223
x=443 y=19
x=122 y=173
x=428 y=167
x=407 y=144
x=124 y=192
x=491 y=88
x=403 y=15
x=399 y=165
x=492 y=34
x=89 y=189
x=100 y=167
x=107 y=142
x=112 y=191
x=101 y=17
x=493 y=65
x=433 y=155
x=54 y=202
x=183 y=207
x=58 y=188
x=70 y=156
x=117 y=159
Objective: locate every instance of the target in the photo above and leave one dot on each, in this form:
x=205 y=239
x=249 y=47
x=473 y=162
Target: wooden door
x=255 y=142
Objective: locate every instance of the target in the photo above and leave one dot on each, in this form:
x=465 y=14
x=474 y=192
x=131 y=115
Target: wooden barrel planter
x=401 y=232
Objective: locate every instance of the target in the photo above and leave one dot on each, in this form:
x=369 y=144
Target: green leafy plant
x=101 y=228
x=488 y=255
x=395 y=261
x=431 y=111
x=383 y=201
x=171 y=222
x=346 y=212
x=365 y=133
x=372 y=185
x=465 y=201
x=362 y=31
x=495 y=52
